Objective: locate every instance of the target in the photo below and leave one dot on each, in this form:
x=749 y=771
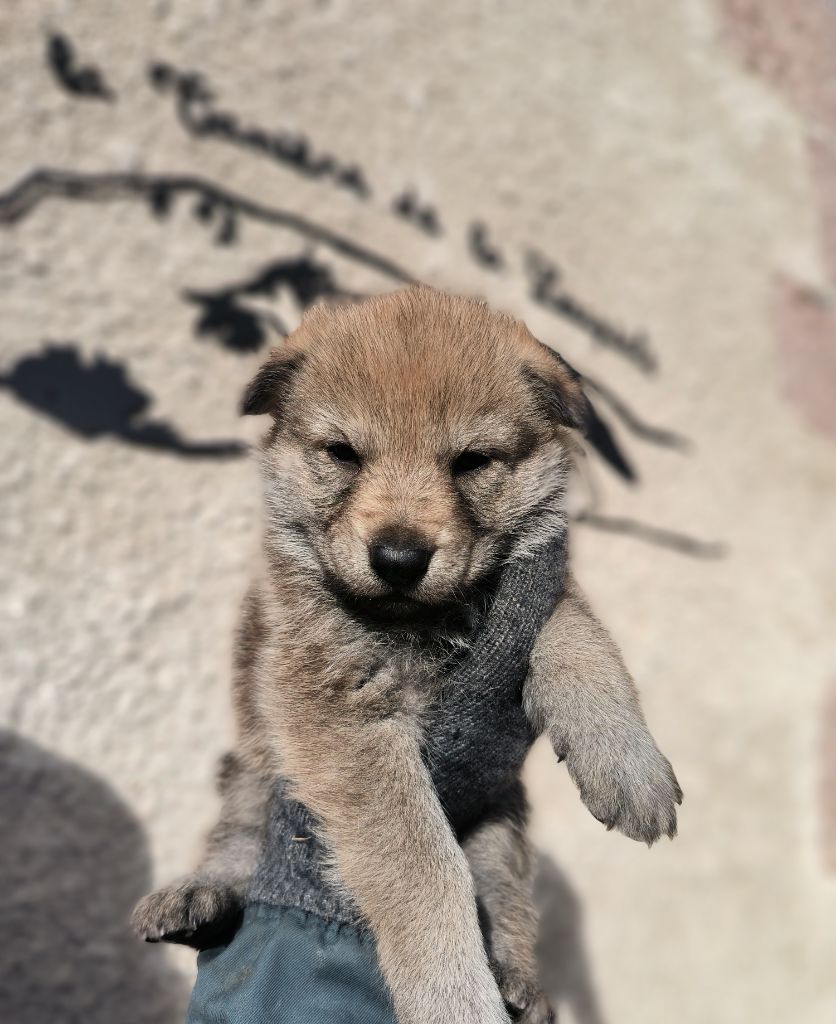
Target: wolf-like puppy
x=420 y=442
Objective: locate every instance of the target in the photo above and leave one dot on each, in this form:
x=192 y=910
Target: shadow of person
x=73 y=861
x=564 y=970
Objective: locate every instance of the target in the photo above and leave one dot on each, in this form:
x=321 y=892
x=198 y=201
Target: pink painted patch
x=806 y=329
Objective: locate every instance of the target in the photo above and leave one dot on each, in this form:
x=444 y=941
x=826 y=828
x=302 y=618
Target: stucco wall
x=647 y=184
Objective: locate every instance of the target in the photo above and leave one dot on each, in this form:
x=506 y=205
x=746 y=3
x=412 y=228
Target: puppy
x=418 y=450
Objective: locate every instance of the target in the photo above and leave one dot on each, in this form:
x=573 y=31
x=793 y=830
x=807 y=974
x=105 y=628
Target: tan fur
x=502 y=866
x=581 y=695
x=334 y=671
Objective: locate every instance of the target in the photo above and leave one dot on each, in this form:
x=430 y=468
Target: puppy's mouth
x=397 y=609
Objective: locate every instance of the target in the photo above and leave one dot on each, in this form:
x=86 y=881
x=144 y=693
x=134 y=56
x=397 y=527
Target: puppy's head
x=419 y=440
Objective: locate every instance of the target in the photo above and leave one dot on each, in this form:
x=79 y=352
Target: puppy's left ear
x=558 y=389
x=266 y=390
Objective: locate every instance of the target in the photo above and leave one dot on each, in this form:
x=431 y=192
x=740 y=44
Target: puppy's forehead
x=417 y=353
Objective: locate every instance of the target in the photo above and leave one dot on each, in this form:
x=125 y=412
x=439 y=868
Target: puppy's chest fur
x=465 y=704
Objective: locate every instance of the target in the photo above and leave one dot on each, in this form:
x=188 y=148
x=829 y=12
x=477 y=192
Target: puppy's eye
x=470 y=462
x=343 y=454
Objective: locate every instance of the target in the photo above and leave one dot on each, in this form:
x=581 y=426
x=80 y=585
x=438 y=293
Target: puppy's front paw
x=524 y=1001
x=628 y=784
x=195 y=912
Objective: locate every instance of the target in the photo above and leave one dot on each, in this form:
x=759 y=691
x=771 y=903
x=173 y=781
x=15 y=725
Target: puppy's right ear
x=266 y=390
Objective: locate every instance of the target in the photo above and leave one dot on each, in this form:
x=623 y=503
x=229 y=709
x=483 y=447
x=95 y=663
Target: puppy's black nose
x=399 y=565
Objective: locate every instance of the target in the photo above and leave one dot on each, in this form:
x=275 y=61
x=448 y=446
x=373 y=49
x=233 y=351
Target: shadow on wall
x=73 y=861
x=100 y=400
x=234 y=314
x=241 y=329
x=78 y=79
x=564 y=971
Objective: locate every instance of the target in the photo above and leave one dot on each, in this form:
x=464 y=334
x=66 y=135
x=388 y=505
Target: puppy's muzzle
x=401 y=564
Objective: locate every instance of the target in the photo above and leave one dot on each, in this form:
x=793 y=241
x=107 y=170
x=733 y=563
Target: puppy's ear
x=557 y=387
x=560 y=393
x=265 y=391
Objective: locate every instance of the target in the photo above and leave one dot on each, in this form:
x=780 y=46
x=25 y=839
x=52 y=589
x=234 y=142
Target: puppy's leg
x=502 y=866
x=579 y=692
x=357 y=764
x=199 y=908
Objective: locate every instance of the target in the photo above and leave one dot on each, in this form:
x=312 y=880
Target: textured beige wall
x=671 y=160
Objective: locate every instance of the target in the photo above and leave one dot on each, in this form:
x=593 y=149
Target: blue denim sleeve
x=287 y=966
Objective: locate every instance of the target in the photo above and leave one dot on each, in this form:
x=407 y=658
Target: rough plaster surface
x=643 y=150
